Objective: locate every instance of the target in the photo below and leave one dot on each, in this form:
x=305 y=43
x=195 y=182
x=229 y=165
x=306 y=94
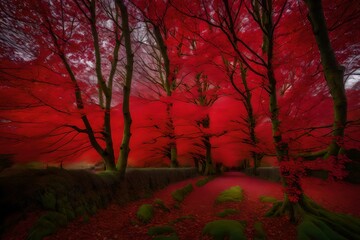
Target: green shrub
x=225 y=229
x=227 y=212
x=233 y=194
x=268 y=199
x=259 y=231
x=160 y=230
x=181 y=193
x=203 y=181
x=145 y=213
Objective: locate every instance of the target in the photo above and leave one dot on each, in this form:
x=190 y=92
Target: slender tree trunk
x=289 y=179
x=209 y=165
x=251 y=122
x=171 y=132
x=167 y=87
x=333 y=71
x=125 y=149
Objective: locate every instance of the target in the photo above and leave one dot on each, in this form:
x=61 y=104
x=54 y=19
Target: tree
x=159 y=69
x=63 y=26
x=124 y=149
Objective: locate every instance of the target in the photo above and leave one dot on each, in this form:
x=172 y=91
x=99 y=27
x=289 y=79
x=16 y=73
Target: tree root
x=315 y=222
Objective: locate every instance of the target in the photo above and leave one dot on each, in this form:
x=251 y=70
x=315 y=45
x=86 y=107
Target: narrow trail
x=199 y=208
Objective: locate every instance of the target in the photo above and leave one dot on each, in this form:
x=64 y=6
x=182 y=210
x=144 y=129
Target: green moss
x=259 y=231
x=145 y=213
x=268 y=199
x=47 y=225
x=160 y=204
x=227 y=212
x=160 y=230
x=233 y=194
x=312 y=228
x=203 y=181
x=48 y=200
x=225 y=229
x=181 y=193
x=41 y=229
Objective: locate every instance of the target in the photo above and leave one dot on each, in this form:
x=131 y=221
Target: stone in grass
x=181 y=193
x=268 y=199
x=259 y=233
x=225 y=229
x=233 y=194
x=227 y=212
x=160 y=230
x=145 y=213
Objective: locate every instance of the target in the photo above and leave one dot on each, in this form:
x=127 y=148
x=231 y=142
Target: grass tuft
x=233 y=194
x=180 y=194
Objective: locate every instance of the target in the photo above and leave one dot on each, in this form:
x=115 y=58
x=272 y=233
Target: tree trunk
x=171 y=132
x=125 y=149
x=209 y=167
x=334 y=73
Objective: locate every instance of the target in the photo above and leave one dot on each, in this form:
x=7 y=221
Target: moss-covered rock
x=225 y=229
x=233 y=194
x=227 y=212
x=201 y=182
x=145 y=213
x=180 y=194
x=259 y=232
x=161 y=205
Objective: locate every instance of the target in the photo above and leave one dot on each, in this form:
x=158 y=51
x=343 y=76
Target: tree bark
x=125 y=149
x=168 y=88
x=333 y=71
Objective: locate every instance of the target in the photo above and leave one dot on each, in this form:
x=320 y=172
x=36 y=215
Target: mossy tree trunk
x=169 y=86
x=299 y=207
x=209 y=165
x=172 y=137
x=333 y=71
x=251 y=121
x=293 y=193
x=125 y=148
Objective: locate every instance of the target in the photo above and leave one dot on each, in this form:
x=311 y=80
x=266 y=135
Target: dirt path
x=198 y=208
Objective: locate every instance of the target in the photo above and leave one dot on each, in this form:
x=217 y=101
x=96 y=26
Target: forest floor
x=199 y=208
